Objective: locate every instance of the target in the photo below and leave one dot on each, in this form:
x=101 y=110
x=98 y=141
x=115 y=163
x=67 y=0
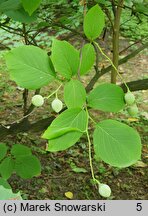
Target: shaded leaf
x=21 y=15
x=107 y=97
x=3 y=150
x=30 y=6
x=4 y=183
x=9 y=5
x=7 y=167
x=20 y=150
x=27 y=166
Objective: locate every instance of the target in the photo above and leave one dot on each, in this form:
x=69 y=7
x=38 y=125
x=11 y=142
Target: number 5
x=139 y=207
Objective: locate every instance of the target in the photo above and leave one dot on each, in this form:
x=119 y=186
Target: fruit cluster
x=130 y=101
x=38 y=100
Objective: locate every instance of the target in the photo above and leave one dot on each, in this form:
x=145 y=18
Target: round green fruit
x=133 y=110
x=104 y=190
x=57 y=105
x=37 y=100
x=129 y=98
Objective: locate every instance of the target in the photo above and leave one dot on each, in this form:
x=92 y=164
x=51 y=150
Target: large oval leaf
x=14 y=10
x=107 y=97
x=55 y=132
x=27 y=166
x=7 y=167
x=30 y=67
x=21 y=15
x=72 y=118
x=65 y=58
x=20 y=150
x=30 y=6
x=3 y=150
x=63 y=142
x=74 y=94
x=94 y=23
x=4 y=183
x=7 y=194
x=88 y=58
x=116 y=143
x=9 y=5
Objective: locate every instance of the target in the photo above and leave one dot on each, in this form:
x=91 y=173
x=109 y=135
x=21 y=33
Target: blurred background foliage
x=64 y=19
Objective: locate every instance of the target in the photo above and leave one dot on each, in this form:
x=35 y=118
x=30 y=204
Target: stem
x=90 y=156
x=25 y=99
x=116 y=29
x=84 y=3
x=31 y=107
x=90 y=151
x=55 y=92
x=92 y=120
x=26 y=91
x=112 y=65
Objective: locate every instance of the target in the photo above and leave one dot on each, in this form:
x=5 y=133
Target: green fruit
x=129 y=98
x=104 y=190
x=37 y=100
x=57 y=105
x=133 y=110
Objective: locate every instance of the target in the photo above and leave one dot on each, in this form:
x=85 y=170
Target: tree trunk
x=116 y=30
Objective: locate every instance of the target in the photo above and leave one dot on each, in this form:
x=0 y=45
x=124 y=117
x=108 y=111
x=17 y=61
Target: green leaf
x=54 y=132
x=77 y=169
x=116 y=143
x=20 y=150
x=65 y=58
x=30 y=67
x=94 y=23
x=7 y=167
x=9 y=5
x=7 y=194
x=142 y=8
x=3 y=150
x=21 y=15
x=68 y=119
x=107 y=97
x=101 y=1
x=14 y=10
x=74 y=94
x=63 y=142
x=27 y=166
x=4 y=183
x=75 y=118
x=88 y=58
x=30 y=6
